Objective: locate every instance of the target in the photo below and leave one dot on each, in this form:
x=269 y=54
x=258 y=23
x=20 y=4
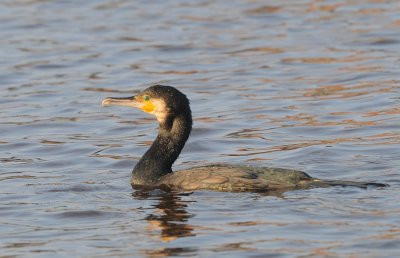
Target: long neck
x=158 y=159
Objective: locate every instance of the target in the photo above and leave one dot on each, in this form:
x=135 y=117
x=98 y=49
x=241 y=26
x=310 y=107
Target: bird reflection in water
x=167 y=221
x=169 y=217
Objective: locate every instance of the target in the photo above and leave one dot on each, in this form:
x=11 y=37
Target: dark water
x=311 y=85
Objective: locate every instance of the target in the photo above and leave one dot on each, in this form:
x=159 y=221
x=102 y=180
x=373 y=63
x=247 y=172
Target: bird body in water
x=172 y=110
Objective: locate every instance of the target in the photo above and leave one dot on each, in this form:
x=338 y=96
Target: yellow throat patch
x=148 y=107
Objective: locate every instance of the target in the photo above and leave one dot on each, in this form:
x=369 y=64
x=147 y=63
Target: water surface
x=310 y=85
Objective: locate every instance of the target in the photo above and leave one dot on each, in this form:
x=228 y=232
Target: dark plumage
x=172 y=110
x=173 y=134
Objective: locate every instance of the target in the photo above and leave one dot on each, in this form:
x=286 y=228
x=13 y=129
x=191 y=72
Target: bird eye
x=147 y=98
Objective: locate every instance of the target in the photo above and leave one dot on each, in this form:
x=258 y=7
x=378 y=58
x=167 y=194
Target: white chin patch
x=160 y=111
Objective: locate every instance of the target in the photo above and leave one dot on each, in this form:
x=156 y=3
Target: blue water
x=310 y=85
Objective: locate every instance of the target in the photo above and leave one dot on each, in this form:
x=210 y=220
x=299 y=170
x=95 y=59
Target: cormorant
x=172 y=110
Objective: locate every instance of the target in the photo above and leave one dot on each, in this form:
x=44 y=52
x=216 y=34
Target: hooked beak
x=127 y=101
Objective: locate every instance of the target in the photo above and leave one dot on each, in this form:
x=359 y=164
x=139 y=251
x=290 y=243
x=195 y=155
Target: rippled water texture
x=312 y=85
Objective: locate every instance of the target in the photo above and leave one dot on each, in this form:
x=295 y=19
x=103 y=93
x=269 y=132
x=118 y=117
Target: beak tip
x=106 y=102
